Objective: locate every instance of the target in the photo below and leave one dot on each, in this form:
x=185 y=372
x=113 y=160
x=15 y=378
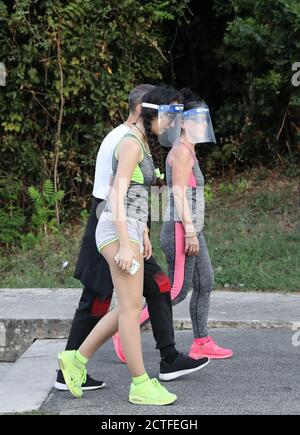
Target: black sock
x=169 y=353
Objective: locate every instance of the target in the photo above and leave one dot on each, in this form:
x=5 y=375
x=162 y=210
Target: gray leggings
x=186 y=272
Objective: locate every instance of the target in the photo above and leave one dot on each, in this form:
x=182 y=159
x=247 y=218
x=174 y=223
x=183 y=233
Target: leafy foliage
x=43 y=217
x=259 y=119
x=238 y=55
x=71 y=66
x=12 y=217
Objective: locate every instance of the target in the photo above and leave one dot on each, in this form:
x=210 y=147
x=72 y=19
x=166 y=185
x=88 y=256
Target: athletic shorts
x=106 y=231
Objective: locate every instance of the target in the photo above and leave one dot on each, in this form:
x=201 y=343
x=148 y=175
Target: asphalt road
x=262 y=378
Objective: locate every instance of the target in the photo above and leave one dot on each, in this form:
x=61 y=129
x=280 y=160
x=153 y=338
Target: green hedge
x=238 y=54
x=71 y=66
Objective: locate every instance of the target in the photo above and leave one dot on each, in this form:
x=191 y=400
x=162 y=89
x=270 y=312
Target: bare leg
x=129 y=294
x=103 y=331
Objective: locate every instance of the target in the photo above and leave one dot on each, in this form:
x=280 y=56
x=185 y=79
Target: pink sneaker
x=118 y=347
x=202 y=347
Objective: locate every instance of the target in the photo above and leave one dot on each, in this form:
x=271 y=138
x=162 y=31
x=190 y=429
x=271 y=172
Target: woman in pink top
x=182 y=239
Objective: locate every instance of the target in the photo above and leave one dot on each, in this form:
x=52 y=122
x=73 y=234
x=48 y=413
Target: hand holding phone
x=135 y=265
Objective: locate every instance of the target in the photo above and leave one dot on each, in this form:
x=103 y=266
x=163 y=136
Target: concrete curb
x=20 y=334
x=235 y=324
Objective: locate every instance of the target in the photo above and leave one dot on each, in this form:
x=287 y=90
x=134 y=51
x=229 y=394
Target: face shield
x=169 y=122
x=198 y=126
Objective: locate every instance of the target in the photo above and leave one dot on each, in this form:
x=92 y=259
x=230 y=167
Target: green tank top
x=143 y=177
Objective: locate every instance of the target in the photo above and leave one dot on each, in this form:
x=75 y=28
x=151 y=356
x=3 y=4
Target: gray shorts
x=106 y=231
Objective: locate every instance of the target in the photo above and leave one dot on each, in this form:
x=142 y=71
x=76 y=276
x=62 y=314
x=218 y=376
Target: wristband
x=190 y=236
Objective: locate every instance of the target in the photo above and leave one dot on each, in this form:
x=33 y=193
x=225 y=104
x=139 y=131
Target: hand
x=125 y=257
x=192 y=246
x=147 y=245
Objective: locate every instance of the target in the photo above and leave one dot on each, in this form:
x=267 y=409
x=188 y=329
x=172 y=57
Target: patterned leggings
x=186 y=272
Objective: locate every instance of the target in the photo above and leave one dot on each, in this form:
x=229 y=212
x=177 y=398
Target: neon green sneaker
x=73 y=371
x=150 y=392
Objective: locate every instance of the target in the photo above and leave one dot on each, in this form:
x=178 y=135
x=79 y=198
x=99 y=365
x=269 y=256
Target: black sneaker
x=90 y=384
x=182 y=365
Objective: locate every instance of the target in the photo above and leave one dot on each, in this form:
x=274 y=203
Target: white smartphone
x=135 y=265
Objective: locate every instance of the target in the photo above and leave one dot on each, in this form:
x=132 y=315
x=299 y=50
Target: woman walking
x=182 y=239
x=122 y=237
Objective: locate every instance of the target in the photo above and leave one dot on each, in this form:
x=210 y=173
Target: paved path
x=26 y=384
x=261 y=327
x=262 y=378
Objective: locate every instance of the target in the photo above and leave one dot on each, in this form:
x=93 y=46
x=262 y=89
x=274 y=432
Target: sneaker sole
x=139 y=401
x=175 y=375
x=63 y=387
x=66 y=377
x=195 y=356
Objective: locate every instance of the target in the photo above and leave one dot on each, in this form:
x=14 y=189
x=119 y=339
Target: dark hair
x=191 y=100
x=136 y=96
x=159 y=95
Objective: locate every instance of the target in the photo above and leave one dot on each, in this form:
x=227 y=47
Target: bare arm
x=129 y=156
x=181 y=169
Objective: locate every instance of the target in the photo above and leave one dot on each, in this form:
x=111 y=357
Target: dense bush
x=239 y=54
x=71 y=66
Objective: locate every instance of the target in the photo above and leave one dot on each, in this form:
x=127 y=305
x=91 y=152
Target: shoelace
x=207 y=340
x=183 y=356
x=84 y=377
x=157 y=384
x=212 y=341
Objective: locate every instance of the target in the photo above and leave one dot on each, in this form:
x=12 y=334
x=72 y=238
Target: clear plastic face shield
x=169 y=122
x=198 y=126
